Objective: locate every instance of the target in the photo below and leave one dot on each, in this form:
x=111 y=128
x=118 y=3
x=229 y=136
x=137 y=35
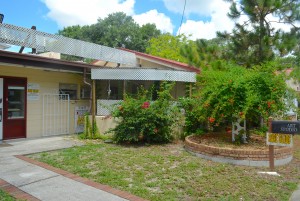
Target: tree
x=207 y=54
x=71 y=32
x=116 y=30
x=256 y=40
x=169 y=47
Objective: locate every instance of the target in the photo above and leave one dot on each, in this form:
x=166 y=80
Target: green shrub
x=193 y=119
x=91 y=131
x=144 y=120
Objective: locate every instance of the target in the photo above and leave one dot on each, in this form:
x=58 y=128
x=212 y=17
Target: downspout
x=90 y=85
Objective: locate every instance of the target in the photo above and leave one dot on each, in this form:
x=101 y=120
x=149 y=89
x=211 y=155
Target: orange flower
x=269 y=103
x=211 y=120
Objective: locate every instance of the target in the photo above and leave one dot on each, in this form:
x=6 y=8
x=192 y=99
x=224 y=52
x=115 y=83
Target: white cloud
x=201 y=7
x=207 y=30
x=82 y=12
x=161 y=21
x=282 y=26
x=217 y=10
x=198 y=29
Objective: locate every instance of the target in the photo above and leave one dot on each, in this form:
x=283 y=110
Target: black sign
x=286 y=127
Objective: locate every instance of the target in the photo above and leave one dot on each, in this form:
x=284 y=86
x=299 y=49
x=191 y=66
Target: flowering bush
x=235 y=93
x=144 y=120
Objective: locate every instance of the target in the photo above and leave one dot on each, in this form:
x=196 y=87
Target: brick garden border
x=16 y=192
x=85 y=181
x=260 y=158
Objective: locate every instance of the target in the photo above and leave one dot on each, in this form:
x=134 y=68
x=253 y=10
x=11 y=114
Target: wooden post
x=93 y=106
x=191 y=87
x=271 y=148
x=124 y=89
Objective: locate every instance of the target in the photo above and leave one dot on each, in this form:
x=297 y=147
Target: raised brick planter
x=283 y=155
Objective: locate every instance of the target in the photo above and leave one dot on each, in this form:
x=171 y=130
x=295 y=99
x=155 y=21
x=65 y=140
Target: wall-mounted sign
x=80 y=111
x=33 y=91
x=286 y=127
x=279 y=139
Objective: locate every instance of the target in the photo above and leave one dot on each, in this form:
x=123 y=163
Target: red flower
x=146 y=105
x=211 y=119
x=155 y=130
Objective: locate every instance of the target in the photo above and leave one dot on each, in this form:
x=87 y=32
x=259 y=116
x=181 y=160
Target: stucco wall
x=48 y=82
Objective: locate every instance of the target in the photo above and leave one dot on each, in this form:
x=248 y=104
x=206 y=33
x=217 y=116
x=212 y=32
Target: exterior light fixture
x=1 y=18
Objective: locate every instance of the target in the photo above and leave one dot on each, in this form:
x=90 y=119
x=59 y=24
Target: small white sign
x=80 y=111
x=33 y=91
x=279 y=139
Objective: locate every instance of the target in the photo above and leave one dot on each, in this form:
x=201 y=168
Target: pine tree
x=256 y=40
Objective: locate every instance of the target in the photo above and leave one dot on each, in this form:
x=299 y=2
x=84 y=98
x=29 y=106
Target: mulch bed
x=224 y=140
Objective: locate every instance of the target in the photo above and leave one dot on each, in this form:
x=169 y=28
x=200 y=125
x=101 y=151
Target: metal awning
x=45 y=42
x=142 y=74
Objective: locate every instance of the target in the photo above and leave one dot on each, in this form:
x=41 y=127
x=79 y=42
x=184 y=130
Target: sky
x=201 y=19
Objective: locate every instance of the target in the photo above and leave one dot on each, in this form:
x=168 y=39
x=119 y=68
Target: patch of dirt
x=224 y=140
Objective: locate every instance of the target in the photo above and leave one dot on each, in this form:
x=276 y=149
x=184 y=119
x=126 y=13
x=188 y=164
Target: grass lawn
x=168 y=172
x=5 y=196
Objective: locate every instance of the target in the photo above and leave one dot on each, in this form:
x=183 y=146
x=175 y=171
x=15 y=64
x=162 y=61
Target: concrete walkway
x=296 y=195
x=42 y=183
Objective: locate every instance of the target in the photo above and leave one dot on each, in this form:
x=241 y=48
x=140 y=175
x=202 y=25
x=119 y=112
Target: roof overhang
x=142 y=74
x=34 y=61
x=163 y=61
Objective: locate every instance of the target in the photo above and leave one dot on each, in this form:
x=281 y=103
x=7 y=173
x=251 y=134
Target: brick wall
x=238 y=154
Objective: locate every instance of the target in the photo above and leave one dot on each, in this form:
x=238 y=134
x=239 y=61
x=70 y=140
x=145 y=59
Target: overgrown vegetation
x=143 y=119
x=236 y=92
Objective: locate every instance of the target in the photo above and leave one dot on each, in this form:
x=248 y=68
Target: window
x=70 y=89
x=16 y=102
x=85 y=92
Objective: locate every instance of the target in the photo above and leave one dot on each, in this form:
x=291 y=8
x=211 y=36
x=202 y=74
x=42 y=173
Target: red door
x=14 y=108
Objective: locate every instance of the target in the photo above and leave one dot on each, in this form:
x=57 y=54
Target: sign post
x=271 y=148
x=280 y=134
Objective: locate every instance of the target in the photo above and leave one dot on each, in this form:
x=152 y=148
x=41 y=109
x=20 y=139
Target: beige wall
x=105 y=123
x=53 y=55
x=49 y=83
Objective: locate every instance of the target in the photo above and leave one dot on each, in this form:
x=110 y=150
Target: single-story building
x=42 y=95
x=113 y=81
x=39 y=95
